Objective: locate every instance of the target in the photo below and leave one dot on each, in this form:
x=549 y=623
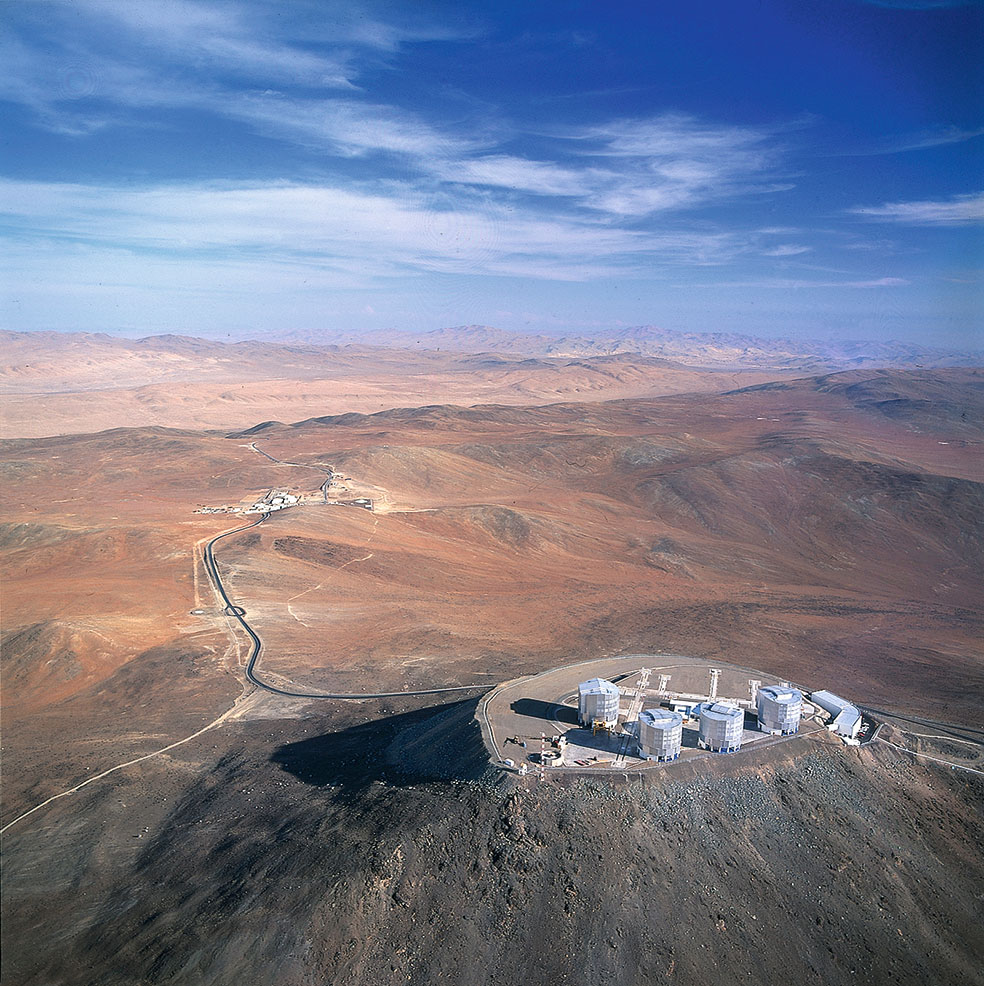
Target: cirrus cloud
x=960 y=210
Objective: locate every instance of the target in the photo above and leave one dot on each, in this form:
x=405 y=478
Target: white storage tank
x=779 y=709
x=598 y=701
x=660 y=734
x=721 y=726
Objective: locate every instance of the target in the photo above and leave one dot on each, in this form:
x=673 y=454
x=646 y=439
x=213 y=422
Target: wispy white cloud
x=675 y=138
x=239 y=62
x=630 y=169
x=380 y=231
x=348 y=128
x=786 y=283
x=935 y=138
x=521 y=174
x=243 y=39
x=921 y=141
x=786 y=250
x=377 y=232
x=960 y=210
x=676 y=161
x=627 y=169
x=628 y=197
x=181 y=53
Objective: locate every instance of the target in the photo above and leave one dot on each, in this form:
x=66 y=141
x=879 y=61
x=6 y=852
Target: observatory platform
x=536 y=724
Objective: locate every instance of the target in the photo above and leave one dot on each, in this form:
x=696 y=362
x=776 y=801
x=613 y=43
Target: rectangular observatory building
x=845 y=718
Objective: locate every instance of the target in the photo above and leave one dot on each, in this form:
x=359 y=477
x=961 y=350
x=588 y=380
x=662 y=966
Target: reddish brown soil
x=830 y=530
x=817 y=529
x=801 y=529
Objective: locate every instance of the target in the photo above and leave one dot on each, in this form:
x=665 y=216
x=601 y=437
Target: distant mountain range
x=713 y=350
x=41 y=354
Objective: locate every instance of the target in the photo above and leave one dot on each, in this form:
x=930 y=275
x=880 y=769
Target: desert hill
x=313 y=851
x=699 y=510
x=827 y=529
x=63 y=383
x=796 y=524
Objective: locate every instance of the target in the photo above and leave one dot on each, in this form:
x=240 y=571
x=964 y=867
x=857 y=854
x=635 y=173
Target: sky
x=772 y=167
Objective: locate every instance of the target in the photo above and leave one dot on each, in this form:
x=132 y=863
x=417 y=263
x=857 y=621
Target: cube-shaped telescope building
x=660 y=734
x=779 y=709
x=721 y=726
x=597 y=701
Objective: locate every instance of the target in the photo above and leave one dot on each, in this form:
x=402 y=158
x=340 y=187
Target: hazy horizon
x=384 y=335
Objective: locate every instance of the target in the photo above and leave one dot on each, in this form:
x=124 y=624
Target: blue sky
x=230 y=169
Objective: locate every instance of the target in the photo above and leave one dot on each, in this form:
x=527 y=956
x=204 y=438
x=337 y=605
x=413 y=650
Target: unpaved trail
x=340 y=568
x=926 y=756
x=129 y=763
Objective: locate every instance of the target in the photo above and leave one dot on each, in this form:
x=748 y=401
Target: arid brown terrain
x=54 y=383
x=829 y=529
x=61 y=383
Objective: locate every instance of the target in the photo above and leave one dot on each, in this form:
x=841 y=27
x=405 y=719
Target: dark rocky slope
x=322 y=859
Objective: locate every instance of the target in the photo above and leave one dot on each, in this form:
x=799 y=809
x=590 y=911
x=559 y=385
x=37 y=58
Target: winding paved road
x=302 y=465
x=239 y=614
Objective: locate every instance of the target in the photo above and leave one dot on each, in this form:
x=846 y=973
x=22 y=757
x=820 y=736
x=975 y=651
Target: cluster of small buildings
x=274 y=500
x=658 y=731
x=280 y=500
